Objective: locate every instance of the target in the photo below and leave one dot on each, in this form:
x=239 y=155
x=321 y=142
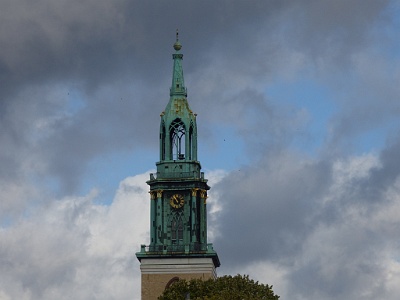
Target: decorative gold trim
x=203 y=194
x=152 y=195
x=194 y=192
x=159 y=193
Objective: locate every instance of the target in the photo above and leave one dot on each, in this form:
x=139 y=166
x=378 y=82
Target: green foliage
x=226 y=287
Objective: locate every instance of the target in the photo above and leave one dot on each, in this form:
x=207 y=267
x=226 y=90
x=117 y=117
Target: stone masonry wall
x=153 y=285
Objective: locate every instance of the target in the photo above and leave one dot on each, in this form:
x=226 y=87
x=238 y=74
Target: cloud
x=329 y=246
x=76 y=248
x=274 y=201
x=82 y=83
x=87 y=70
x=316 y=224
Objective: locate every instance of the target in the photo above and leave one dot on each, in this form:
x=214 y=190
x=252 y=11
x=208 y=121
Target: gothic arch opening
x=177 y=138
x=162 y=141
x=190 y=154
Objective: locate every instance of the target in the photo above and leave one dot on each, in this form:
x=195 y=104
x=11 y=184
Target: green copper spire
x=178 y=84
x=178 y=129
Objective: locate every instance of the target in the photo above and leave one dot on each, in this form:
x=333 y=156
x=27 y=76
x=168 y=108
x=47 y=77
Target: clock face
x=177 y=201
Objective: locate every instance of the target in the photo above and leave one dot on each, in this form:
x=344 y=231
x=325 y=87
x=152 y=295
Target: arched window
x=171 y=282
x=162 y=141
x=177 y=138
x=177 y=229
x=190 y=154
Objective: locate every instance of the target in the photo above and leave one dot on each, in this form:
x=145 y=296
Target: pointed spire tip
x=177 y=45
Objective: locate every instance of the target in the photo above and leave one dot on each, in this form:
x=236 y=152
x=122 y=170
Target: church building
x=178 y=200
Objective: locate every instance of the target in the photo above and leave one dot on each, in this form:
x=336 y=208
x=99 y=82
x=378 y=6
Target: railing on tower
x=176 y=249
x=174 y=175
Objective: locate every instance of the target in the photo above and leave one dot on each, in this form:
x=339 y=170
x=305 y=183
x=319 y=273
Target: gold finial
x=177 y=45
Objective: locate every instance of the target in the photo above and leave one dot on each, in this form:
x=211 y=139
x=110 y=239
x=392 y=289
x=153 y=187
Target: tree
x=226 y=287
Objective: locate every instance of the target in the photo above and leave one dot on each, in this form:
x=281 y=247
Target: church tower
x=178 y=192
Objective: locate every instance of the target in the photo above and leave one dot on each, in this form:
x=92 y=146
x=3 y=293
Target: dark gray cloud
x=88 y=45
x=270 y=207
x=334 y=30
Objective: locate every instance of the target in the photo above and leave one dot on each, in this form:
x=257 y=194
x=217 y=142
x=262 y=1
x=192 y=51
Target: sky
x=298 y=118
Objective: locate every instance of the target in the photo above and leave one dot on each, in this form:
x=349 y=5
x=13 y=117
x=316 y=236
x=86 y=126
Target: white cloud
x=77 y=249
